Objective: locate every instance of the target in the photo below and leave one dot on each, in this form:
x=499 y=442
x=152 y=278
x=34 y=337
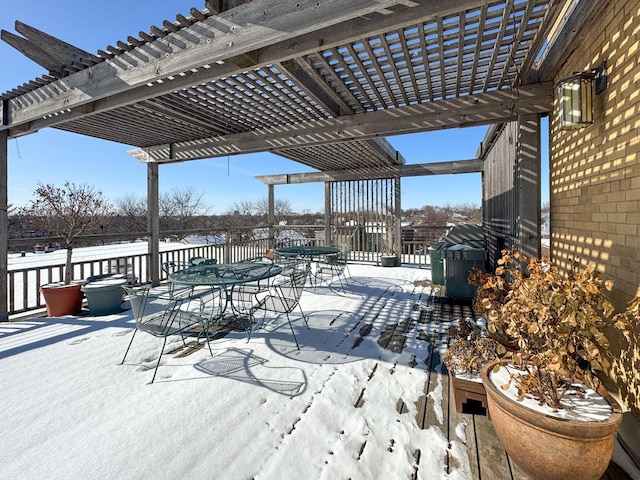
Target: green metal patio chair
x=172 y=266
x=163 y=315
x=245 y=295
x=335 y=265
x=284 y=296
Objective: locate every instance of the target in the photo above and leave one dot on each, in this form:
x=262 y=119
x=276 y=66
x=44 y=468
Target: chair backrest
x=196 y=260
x=291 y=289
x=291 y=264
x=286 y=293
x=153 y=312
x=337 y=261
x=345 y=248
x=171 y=266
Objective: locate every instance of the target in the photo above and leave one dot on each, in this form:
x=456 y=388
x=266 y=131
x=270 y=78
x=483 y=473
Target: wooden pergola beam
x=567 y=33
x=121 y=84
x=306 y=76
x=312 y=82
x=396 y=171
x=47 y=51
x=472 y=110
x=218 y=38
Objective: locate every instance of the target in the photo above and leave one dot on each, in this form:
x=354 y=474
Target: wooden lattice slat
x=470 y=52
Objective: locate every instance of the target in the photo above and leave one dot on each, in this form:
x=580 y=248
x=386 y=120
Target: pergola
x=320 y=82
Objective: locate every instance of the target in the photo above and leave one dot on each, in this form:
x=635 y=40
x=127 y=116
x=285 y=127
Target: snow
x=587 y=407
x=256 y=409
x=31 y=259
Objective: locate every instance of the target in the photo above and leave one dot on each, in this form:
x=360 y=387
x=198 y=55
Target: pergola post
x=153 y=223
x=4 y=227
x=272 y=216
x=327 y=213
x=397 y=194
x=528 y=188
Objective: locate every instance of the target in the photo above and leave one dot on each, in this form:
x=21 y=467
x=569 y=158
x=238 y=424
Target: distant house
x=544 y=227
x=203 y=240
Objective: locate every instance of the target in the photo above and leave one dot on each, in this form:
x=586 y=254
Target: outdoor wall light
x=576 y=97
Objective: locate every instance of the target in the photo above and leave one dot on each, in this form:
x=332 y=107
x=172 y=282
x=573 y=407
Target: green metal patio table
x=312 y=254
x=307 y=251
x=225 y=276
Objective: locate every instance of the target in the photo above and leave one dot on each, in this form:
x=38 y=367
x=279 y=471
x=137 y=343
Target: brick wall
x=595 y=171
x=595 y=175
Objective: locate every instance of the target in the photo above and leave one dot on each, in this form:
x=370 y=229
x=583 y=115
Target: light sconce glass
x=576 y=97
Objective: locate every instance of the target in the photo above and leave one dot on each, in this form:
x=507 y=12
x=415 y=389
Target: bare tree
x=67 y=212
x=132 y=211
x=281 y=208
x=188 y=203
x=245 y=208
x=179 y=207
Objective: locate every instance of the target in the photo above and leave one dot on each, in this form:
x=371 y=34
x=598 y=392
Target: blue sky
x=51 y=156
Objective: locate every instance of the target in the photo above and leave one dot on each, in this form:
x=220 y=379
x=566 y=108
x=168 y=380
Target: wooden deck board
x=492 y=458
x=391 y=325
x=455 y=421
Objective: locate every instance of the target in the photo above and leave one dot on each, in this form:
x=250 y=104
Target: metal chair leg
x=159 y=358
x=130 y=342
x=208 y=342
x=293 y=333
x=304 y=317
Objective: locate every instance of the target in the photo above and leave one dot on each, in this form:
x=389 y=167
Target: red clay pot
x=62 y=299
x=549 y=448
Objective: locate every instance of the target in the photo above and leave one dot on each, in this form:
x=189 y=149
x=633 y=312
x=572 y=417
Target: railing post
x=272 y=217
x=397 y=192
x=327 y=213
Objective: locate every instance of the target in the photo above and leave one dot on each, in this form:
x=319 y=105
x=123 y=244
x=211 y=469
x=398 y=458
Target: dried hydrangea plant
x=557 y=322
x=470 y=349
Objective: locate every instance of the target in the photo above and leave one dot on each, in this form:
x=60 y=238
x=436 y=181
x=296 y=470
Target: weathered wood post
x=272 y=216
x=528 y=189
x=4 y=223
x=153 y=223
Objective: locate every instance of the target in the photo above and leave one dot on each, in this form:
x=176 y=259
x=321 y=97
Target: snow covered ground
x=258 y=409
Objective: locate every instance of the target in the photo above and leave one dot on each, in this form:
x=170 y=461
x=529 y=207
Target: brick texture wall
x=595 y=175
x=595 y=171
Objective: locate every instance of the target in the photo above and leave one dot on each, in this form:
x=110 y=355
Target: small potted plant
x=536 y=401
x=470 y=349
x=66 y=212
x=389 y=258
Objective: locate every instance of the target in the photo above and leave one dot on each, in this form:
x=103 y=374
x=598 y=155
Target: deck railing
x=24 y=283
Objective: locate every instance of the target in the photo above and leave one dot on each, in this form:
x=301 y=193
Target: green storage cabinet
x=458 y=262
x=437 y=266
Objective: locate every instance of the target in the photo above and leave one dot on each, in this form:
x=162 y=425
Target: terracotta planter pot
x=464 y=390
x=549 y=448
x=62 y=299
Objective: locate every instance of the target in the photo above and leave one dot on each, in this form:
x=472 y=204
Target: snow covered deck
x=366 y=396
